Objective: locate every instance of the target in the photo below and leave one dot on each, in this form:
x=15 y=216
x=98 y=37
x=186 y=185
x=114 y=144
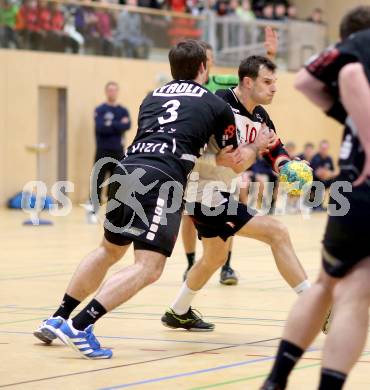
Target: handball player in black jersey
x=145 y=197
x=338 y=81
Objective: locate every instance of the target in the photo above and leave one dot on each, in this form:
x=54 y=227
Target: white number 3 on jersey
x=172 y=105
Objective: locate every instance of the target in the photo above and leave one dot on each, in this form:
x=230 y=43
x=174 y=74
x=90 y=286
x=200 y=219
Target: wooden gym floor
x=37 y=262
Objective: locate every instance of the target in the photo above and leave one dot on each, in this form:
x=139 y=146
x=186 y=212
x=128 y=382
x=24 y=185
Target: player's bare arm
x=314 y=89
x=271 y=42
x=249 y=152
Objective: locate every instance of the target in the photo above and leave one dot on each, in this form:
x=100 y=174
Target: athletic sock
x=183 y=300
x=227 y=264
x=287 y=356
x=89 y=315
x=66 y=307
x=331 y=379
x=303 y=286
x=190 y=257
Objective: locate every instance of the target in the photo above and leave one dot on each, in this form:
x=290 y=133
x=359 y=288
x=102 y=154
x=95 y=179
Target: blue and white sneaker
x=49 y=329
x=83 y=342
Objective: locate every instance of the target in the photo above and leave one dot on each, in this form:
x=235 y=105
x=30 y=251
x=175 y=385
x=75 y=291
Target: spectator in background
x=50 y=41
x=322 y=163
x=111 y=121
x=222 y=7
x=88 y=26
x=44 y=16
x=176 y=5
x=129 y=39
x=233 y=6
x=245 y=12
x=8 y=18
x=308 y=152
x=257 y=7
x=316 y=16
x=280 y=11
x=268 y=12
x=323 y=170
x=57 y=34
x=104 y=28
x=74 y=39
x=292 y=12
x=28 y=25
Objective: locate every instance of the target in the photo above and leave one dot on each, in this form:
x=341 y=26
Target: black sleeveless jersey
x=175 y=122
x=326 y=67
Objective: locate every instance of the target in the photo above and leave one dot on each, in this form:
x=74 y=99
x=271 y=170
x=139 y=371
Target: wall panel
x=21 y=73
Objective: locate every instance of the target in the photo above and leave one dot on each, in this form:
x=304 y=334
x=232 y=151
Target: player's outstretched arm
x=355 y=94
x=314 y=89
x=271 y=42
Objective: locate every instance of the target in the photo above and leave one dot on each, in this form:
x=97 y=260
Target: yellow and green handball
x=294 y=175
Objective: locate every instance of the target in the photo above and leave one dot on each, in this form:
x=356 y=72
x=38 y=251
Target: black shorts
x=226 y=223
x=347 y=238
x=143 y=208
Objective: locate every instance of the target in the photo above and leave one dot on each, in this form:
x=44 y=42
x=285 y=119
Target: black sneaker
x=191 y=321
x=228 y=277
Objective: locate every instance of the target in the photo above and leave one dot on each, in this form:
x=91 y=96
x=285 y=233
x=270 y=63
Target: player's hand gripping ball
x=294 y=175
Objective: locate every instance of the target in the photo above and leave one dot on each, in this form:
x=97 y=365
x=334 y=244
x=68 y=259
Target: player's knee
x=326 y=283
x=352 y=293
x=153 y=274
x=150 y=269
x=215 y=261
x=113 y=252
x=278 y=232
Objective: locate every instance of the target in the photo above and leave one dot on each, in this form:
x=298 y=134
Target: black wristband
x=283 y=162
x=337 y=112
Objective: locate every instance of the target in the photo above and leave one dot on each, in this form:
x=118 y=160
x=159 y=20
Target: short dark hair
x=355 y=20
x=309 y=145
x=250 y=66
x=111 y=83
x=206 y=45
x=185 y=59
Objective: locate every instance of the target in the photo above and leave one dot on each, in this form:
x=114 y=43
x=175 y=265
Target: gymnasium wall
x=22 y=73
x=333 y=11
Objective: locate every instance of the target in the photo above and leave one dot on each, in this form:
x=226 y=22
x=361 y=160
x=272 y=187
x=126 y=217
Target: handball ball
x=294 y=175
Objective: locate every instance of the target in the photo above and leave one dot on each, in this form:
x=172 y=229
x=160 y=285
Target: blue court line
x=197 y=372
x=185 y=374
